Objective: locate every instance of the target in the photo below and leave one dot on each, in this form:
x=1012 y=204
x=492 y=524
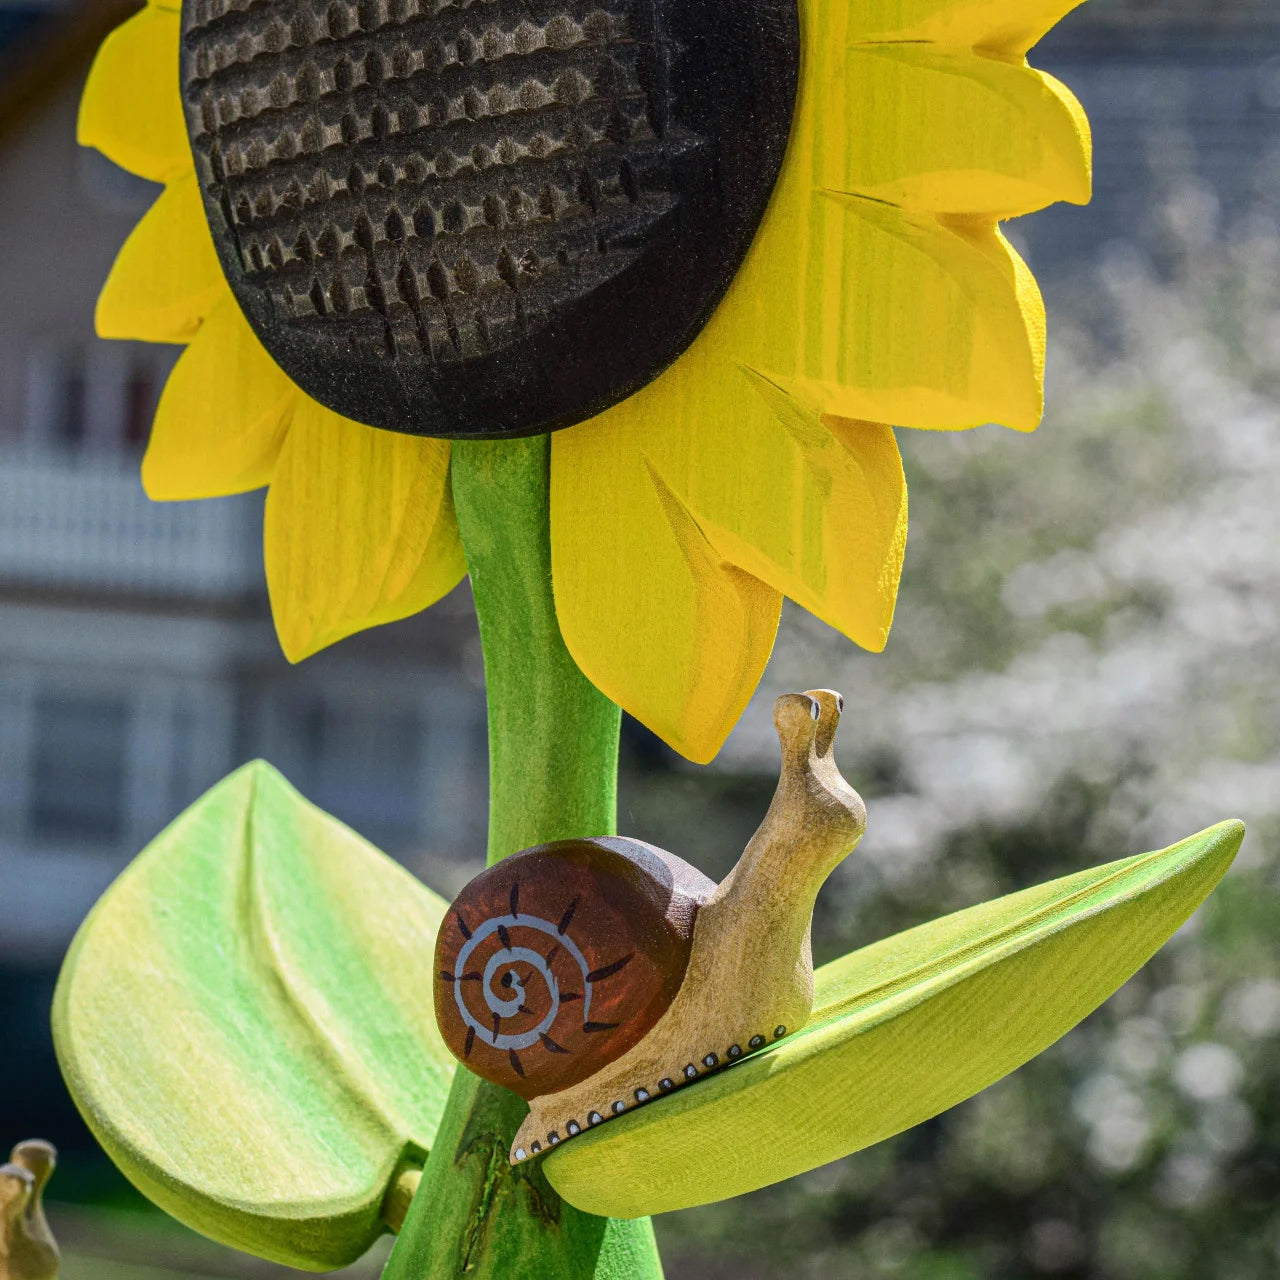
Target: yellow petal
x=908 y=306
x=892 y=316
x=167 y=277
x=223 y=415
x=360 y=529
x=648 y=607
x=1009 y=27
x=951 y=133
x=131 y=110
x=815 y=509
x=679 y=517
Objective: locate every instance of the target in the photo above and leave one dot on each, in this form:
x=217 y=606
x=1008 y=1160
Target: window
x=78 y=770
x=99 y=397
x=70 y=396
x=57 y=396
x=140 y=397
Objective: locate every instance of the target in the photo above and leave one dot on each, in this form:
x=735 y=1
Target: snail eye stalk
x=461 y=219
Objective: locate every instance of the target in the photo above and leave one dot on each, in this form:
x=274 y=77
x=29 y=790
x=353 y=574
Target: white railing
x=84 y=521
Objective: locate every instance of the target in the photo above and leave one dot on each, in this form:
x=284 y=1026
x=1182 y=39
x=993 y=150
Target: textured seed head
x=482 y=217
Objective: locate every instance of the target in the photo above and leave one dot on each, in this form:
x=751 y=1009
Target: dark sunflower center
x=484 y=217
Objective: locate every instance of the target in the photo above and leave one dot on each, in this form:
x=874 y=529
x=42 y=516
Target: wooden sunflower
x=715 y=248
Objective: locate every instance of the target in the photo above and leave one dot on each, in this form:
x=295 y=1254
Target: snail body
x=591 y=976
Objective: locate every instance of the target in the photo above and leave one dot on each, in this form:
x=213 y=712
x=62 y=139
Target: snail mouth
x=434 y=228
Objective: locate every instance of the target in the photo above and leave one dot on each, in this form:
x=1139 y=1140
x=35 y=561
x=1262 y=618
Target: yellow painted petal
x=360 y=529
x=947 y=132
x=892 y=316
x=879 y=287
x=223 y=415
x=167 y=277
x=679 y=517
x=131 y=110
x=648 y=607
x=816 y=509
x=1010 y=27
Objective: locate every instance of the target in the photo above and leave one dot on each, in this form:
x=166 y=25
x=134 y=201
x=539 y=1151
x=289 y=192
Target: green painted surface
x=245 y=1022
x=553 y=737
x=553 y=765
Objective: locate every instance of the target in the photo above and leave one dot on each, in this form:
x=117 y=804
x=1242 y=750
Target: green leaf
x=245 y=1021
x=901 y=1030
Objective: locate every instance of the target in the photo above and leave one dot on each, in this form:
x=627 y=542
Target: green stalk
x=553 y=774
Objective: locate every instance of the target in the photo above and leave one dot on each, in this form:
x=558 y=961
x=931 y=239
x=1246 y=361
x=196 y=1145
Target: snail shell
x=559 y=959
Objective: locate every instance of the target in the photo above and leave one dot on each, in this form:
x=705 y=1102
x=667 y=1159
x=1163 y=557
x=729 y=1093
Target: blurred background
x=1084 y=665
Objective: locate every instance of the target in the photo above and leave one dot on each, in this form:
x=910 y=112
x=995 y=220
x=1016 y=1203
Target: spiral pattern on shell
x=509 y=997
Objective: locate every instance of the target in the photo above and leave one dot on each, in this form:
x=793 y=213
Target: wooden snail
x=27 y=1248
x=590 y=976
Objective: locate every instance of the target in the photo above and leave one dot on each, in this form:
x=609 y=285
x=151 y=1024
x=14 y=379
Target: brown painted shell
x=556 y=961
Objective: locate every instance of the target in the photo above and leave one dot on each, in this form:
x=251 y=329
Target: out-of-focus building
x=1184 y=100
x=137 y=659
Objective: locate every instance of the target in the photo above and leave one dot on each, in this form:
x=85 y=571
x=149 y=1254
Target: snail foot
x=539 y=1133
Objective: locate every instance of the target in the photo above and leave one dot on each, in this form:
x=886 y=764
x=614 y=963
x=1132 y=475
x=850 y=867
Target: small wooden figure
x=590 y=976
x=27 y=1248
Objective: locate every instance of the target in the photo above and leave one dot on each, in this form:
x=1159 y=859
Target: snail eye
x=815 y=708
